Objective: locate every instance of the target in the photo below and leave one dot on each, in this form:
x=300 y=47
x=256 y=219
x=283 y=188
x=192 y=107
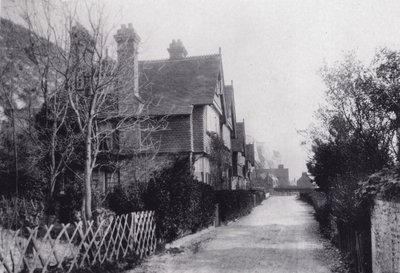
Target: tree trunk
x=88 y=171
x=15 y=152
x=398 y=136
x=53 y=160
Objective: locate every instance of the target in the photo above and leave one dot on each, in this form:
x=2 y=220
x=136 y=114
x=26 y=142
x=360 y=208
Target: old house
x=282 y=174
x=118 y=120
x=190 y=91
x=240 y=179
x=262 y=179
x=250 y=162
x=305 y=181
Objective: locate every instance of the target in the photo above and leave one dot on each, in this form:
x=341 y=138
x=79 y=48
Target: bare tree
x=98 y=93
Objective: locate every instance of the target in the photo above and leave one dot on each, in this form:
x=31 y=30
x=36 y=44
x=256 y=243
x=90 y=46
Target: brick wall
x=385 y=237
x=177 y=137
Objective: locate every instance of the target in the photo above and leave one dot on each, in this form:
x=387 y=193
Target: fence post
x=217 y=220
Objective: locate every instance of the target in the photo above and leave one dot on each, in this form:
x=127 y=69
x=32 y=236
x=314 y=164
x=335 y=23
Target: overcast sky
x=272 y=50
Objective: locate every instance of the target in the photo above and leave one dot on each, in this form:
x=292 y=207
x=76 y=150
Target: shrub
x=260 y=195
x=181 y=203
x=126 y=199
x=322 y=209
x=234 y=203
x=18 y=212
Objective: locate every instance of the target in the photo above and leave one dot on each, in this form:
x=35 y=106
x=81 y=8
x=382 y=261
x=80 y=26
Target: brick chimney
x=127 y=49
x=81 y=47
x=176 y=50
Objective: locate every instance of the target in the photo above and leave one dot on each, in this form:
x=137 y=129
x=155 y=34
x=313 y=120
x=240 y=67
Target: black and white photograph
x=199 y=136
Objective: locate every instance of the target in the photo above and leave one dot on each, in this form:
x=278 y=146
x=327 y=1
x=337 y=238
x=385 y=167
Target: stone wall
x=385 y=237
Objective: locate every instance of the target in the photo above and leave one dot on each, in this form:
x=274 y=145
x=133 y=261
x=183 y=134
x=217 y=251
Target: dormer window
x=83 y=83
x=80 y=83
x=86 y=83
x=106 y=142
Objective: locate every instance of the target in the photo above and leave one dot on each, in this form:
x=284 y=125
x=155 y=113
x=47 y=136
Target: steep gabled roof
x=239 y=143
x=230 y=108
x=250 y=153
x=175 y=86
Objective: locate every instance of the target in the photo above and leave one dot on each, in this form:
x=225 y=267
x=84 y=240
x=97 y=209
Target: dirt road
x=279 y=236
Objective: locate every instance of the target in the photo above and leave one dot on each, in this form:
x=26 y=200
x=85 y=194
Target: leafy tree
x=356 y=137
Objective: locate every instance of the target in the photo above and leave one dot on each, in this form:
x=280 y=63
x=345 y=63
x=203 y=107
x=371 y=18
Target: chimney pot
x=176 y=50
x=127 y=50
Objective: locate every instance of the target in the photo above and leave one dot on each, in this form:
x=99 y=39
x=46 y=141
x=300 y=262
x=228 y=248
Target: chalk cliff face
x=19 y=77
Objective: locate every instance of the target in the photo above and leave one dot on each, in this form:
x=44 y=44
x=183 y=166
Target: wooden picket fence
x=77 y=245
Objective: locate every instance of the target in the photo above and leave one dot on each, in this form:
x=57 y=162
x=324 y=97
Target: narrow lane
x=279 y=236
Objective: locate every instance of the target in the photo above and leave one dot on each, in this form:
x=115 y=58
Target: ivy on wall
x=384 y=184
x=220 y=160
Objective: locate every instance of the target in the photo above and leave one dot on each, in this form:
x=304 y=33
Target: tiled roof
x=250 y=153
x=176 y=85
x=230 y=107
x=228 y=89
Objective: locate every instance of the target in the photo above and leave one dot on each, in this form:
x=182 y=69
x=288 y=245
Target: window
x=106 y=142
x=212 y=121
x=95 y=179
x=86 y=84
x=112 y=180
x=79 y=82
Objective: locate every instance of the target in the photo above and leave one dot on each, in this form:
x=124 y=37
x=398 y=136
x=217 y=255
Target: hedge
x=234 y=203
x=260 y=195
x=182 y=204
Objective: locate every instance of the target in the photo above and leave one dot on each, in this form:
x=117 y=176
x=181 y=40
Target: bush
x=181 y=203
x=18 y=212
x=126 y=199
x=322 y=209
x=234 y=203
x=260 y=195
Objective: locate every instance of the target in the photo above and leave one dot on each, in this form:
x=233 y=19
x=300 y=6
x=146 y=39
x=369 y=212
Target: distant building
x=281 y=173
x=240 y=169
x=304 y=181
x=261 y=179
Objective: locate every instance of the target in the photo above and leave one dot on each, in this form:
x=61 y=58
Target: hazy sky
x=272 y=50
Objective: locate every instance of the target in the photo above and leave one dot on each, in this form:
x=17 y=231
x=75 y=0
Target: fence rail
x=77 y=245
